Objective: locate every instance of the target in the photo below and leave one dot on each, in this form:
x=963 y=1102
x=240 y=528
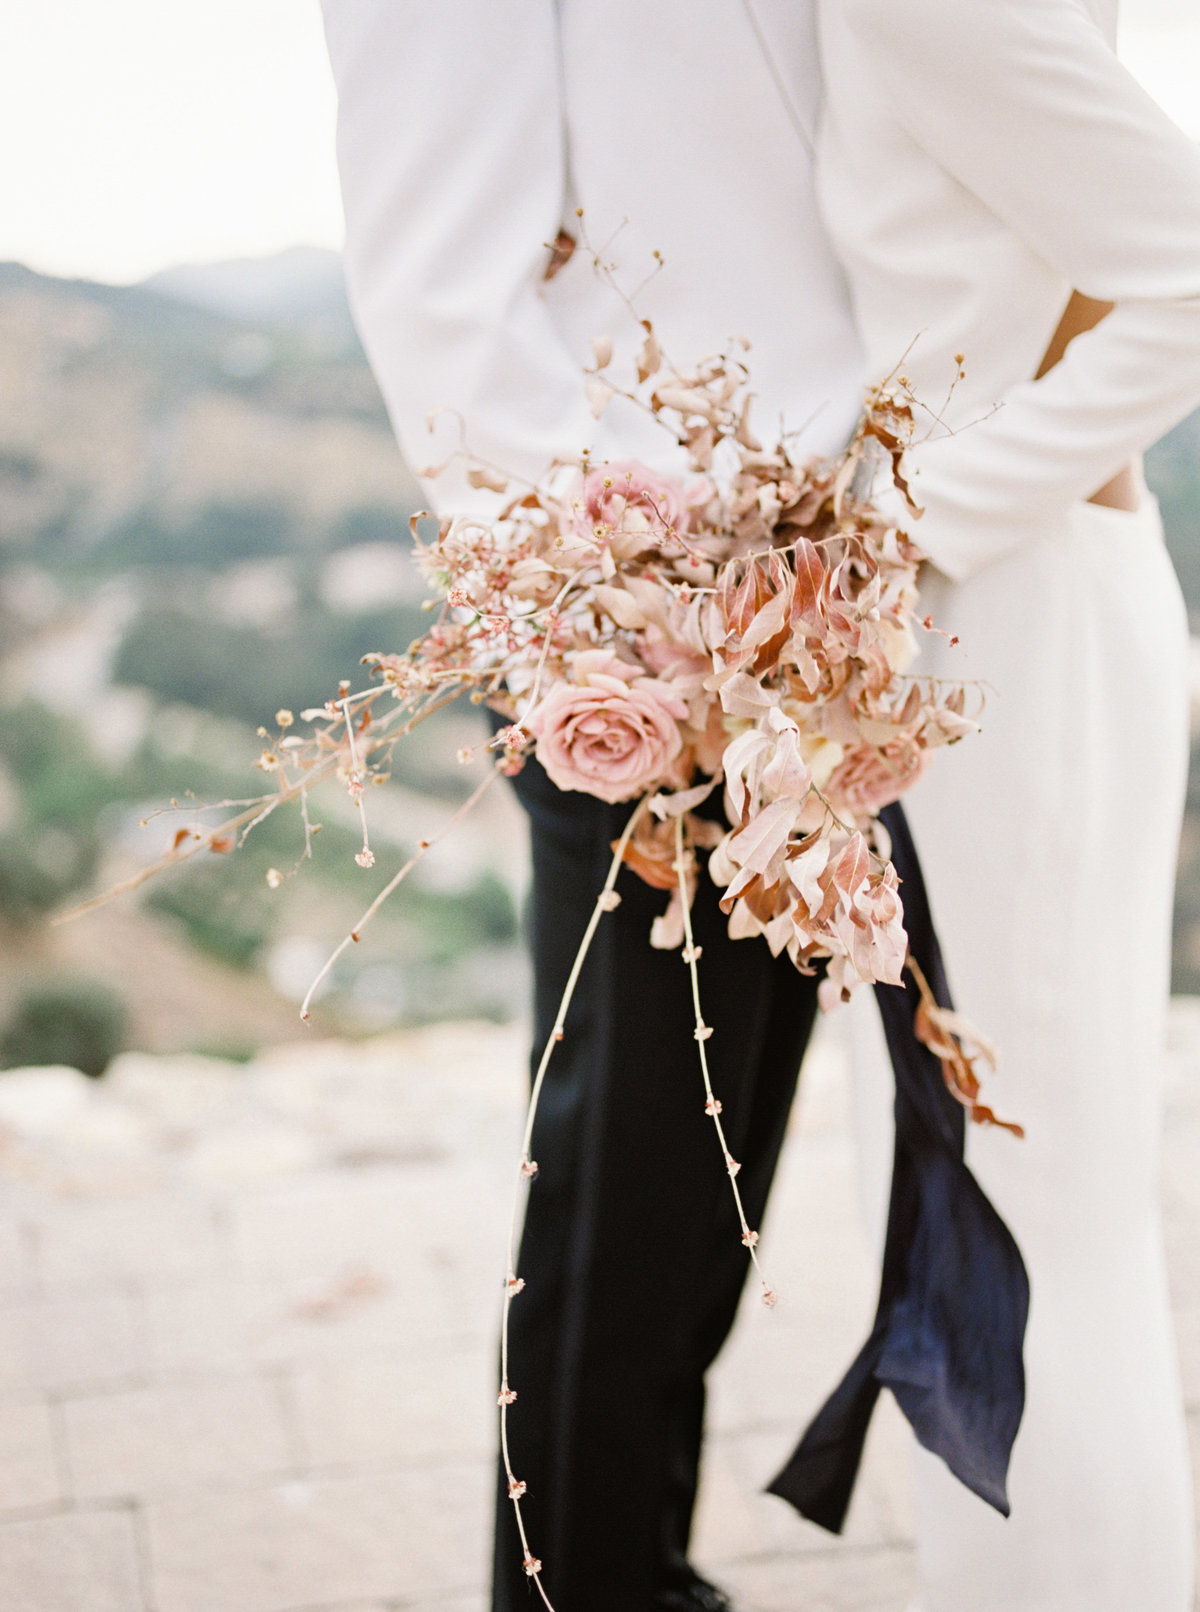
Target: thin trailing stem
x=691 y=956
x=234 y=829
x=308 y=828
x=397 y=879
x=605 y=902
x=553 y=614
x=357 y=785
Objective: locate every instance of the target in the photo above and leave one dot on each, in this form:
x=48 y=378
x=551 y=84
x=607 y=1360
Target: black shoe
x=697 y=1596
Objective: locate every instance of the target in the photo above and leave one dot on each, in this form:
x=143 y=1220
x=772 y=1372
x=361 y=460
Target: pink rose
x=612 y=732
x=870 y=779
x=611 y=489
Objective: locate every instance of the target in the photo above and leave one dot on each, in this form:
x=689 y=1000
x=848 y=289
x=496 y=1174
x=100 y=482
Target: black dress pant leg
x=755 y=1129
x=631 y=1252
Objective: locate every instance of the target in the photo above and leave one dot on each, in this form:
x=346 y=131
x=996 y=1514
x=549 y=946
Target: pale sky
x=141 y=133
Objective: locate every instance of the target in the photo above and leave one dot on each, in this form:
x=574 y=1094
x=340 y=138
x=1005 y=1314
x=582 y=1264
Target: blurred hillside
x=1173 y=471
x=203 y=518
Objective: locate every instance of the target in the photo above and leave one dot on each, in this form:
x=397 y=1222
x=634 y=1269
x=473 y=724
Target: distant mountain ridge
x=298 y=284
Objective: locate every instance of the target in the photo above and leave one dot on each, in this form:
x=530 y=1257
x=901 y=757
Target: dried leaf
x=649 y=355
x=810 y=580
x=599 y=395
x=683 y=800
x=762 y=840
x=685 y=401
x=621 y=606
x=561 y=250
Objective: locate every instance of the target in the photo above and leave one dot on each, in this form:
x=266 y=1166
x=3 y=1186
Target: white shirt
x=977 y=160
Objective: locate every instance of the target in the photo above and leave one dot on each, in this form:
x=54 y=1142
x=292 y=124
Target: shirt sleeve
x=1024 y=103
x=452 y=163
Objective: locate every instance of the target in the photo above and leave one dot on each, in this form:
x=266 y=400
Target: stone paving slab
x=83 y=1561
x=319 y=1542
x=88 y=1243
x=65 y=1338
x=15 y=1271
x=248 y=1319
x=362 y=1412
x=28 y=1468
x=142 y=1443
x=840 y=1580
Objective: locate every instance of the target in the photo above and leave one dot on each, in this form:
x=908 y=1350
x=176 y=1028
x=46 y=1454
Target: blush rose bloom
x=611 y=489
x=869 y=779
x=611 y=732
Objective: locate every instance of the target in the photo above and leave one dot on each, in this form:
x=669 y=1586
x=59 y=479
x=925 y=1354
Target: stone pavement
x=247 y=1325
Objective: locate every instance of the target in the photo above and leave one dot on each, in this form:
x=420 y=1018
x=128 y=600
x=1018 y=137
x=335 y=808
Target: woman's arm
x=1085 y=313
x=451 y=153
x=1024 y=103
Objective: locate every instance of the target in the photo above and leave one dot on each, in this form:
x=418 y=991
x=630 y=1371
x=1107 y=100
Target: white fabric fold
x=1014 y=158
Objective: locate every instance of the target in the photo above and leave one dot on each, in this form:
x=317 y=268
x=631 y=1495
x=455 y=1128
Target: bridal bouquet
x=748 y=626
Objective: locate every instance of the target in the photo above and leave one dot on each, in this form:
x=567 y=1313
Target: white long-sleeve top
x=468 y=133
x=977 y=160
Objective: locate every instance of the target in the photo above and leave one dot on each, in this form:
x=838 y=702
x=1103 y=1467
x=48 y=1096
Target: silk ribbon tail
x=954 y=1295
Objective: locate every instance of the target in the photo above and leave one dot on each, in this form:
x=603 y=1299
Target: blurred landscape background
x=203 y=519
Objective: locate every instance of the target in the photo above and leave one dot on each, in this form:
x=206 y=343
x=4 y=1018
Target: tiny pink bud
x=608 y=901
x=529 y=1168
x=531 y=1564
x=515 y=1284
x=712 y=1106
x=732 y=1166
x=465 y=755
x=366 y=857
x=749 y=1238
x=692 y=954
x=769 y=1298
x=558 y=1034
x=702 y=1032
x=516 y=1488
x=506 y=1396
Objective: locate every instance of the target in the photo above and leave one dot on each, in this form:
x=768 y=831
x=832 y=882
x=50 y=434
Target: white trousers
x=1048 y=843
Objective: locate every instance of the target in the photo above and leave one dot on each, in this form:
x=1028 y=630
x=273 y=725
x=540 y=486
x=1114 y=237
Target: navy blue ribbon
x=954 y=1294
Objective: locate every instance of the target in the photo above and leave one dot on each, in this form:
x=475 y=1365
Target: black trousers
x=631 y=1250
